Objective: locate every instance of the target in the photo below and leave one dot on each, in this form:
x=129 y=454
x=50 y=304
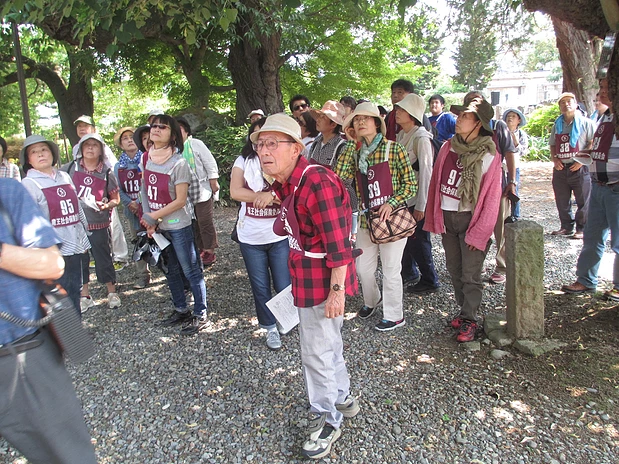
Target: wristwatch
x=513 y=182
x=337 y=287
x=273 y=194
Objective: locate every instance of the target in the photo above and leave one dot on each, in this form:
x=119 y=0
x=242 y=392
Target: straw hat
x=280 y=122
x=366 y=109
x=120 y=133
x=414 y=105
x=332 y=109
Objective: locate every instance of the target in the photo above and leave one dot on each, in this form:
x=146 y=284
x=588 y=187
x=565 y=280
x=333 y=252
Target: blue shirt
x=20 y=296
x=445 y=124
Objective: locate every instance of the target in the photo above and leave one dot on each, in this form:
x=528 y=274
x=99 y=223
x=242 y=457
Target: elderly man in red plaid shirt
x=316 y=216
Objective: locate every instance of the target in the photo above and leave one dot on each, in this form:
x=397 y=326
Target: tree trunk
x=255 y=72
x=73 y=99
x=579 y=52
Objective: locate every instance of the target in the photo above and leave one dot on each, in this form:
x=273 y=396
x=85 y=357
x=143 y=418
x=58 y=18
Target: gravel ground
x=151 y=396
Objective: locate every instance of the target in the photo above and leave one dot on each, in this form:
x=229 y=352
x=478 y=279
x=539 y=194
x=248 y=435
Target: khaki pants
x=464 y=265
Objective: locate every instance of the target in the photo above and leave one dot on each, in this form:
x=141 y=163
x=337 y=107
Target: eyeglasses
x=270 y=144
x=359 y=119
x=300 y=107
x=159 y=126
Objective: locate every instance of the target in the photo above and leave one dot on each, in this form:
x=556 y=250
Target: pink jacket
x=487 y=208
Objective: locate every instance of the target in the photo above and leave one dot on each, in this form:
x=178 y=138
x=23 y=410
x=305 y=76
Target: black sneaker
x=385 y=325
x=421 y=289
x=366 y=311
x=176 y=318
x=194 y=325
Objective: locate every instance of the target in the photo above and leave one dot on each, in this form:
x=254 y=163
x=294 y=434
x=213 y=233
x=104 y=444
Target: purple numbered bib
x=157 y=189
x=451 y=175
x=380 y=185
x=563 y=148
x=601 y=142
x=130 y=182
x=87 y=184
x=63 y=205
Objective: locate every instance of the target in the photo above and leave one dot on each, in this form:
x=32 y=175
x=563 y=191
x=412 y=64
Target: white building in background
x=523 y=90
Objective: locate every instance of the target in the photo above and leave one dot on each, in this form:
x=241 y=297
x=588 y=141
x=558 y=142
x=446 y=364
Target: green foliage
x=477 y=50
x=225 y=143
x=544 y=53
x=539 y=124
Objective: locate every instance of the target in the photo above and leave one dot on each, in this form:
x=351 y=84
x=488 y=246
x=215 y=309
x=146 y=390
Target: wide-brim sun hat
x=366 y=109
x=137 y=136
x=414 y=105
x=481 y=108
x=566 y=95
x=95 y=136
x=332 y=109
x=523 y=119
x=280 y=122
x=120 y=133
x=259 y=112
x=23 y=159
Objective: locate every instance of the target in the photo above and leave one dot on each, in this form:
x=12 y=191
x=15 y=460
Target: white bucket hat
x=280 y=122
x=260 y=112
x=414 y=105
x=332 y=109
x=366 y=109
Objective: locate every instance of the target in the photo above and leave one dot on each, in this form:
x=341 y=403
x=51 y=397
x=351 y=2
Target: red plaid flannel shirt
x=322 y=207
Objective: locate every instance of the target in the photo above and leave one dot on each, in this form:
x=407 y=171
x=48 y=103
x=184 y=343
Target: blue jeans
x=71 y=280
x=516 y=206
x=603 y=218
x=259 y=260
x=183 y=258
x=418 y=254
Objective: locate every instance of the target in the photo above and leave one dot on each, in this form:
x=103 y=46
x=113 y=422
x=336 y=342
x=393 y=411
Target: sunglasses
x=300 y=107
x=159 y=126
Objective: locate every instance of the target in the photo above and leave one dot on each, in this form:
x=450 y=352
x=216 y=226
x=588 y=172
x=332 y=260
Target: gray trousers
x=322 y=357
x=565 y=182
x=39 y=412
x=464 y=265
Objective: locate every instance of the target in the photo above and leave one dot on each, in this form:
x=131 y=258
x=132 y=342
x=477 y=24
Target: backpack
x=436 y=147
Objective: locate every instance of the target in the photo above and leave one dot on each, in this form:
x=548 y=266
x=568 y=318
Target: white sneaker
x=322 y=436
x=113 y=300
x=86 y=303
x=273 y=340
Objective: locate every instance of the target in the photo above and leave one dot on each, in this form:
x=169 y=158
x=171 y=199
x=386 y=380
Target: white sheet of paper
x=161 y=241
x=283 y=308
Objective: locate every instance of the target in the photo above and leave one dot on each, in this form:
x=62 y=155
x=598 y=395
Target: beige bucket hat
x=280 y=122
x=366 y=109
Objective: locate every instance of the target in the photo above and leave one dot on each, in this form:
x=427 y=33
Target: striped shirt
x=8 y=169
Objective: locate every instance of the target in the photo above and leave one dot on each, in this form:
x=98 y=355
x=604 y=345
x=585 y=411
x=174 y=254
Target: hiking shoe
x=349 y=408
x=194 y=325
x=207 y=258
x=497 y=278
x=467 y=331
x=612 y=295
x=113 y=300
x=565 y=232
x=273 y=340
x=578 y=235
x=142 y=283
x=385 y=325
x=421 y=289
x=177 y=317
x=322 y=436
x=576 y=288
x=457 y=322
x=411 y=281
x=86 y=302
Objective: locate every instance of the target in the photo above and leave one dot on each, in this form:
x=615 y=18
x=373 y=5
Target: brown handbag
x=400 y=224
